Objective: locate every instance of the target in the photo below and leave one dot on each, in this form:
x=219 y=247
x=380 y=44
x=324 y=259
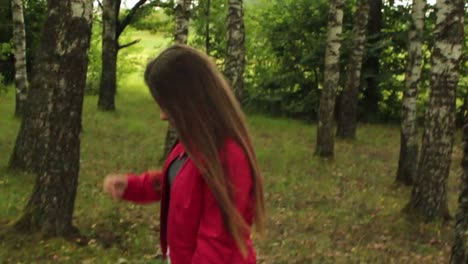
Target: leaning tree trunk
x=235 y=56
x=371 y=67
x=19 y=39
x=57 y=92
x=429 y=196
x=108 y=84
x=182 y=19
x=347 y=121
x=460 y=246
x=325 y=140
x=407 y=165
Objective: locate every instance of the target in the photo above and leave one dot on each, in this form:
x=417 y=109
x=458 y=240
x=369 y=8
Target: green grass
x=341 y=211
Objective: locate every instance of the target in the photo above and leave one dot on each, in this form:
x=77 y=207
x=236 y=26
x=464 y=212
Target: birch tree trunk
x=108 y=84
x=429 y=195
x=182 y=20
x=325 y=140
x=347 y=122
x=55 y=116
x=19 y=40
x=235 y=55
x=407 y=165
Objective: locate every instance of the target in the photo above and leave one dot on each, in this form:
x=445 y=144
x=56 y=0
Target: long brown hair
x=203 y=109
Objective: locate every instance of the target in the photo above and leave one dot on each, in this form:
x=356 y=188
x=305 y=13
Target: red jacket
x=191 y=221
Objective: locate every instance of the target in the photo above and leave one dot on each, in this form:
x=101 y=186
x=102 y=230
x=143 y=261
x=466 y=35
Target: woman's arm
x=141 y=189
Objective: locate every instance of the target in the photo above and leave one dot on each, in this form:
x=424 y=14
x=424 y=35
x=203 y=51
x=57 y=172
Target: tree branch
x=100 y=4
x=128 y=44
x=128 y=18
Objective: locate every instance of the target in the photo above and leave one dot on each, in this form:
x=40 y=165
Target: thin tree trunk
x=207 y=26
x=325 y=141
x=182 y=19
x=19 y=39
x=371 y=67
x=347 y=121
x=235 y=55
x=407 y=165
x=108 y=84
x=57 y=90
x=429 y=195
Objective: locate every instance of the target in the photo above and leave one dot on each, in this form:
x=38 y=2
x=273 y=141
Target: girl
x=210 y=187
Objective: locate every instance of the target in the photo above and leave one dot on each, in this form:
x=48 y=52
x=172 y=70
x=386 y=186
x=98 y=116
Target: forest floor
x=347 y=210
x=343 y=211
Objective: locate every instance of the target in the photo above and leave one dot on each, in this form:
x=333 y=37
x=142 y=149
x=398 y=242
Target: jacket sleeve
x=144 y=188
x=214 y=243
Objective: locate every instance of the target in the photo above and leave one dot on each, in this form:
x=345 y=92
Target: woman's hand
x=115 y=185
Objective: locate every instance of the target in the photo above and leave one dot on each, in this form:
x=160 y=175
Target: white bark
x=325 y=140
x=19 y=39
x=409 y=135
x=429 y=196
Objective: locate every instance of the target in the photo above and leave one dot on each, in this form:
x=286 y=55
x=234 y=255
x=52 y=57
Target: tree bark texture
x=53 y=120
x=407 y=165
x=325 y=141
x=182 y=20
x=429 y=196
x=235 y=55
x=108 y=84
x=19 y=40
x=347 y=122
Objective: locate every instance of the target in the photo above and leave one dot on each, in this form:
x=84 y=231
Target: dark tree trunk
x=429 y=195
x=347 y=122
x=325 y=141
x=407 y=164
x=371 y=66
x=112 y=28
x=460 y=246
x=108 y=85
x=54 y=114
x=235 y=55
x=182 y=19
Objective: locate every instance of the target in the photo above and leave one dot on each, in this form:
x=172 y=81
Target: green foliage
x=127 y=62
x=93 y=76
x=6 y=33
x=286 y=41
x=35 y=12
x=154 y=20
x=217 y=28
x=3 y=87
x=5 y=50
